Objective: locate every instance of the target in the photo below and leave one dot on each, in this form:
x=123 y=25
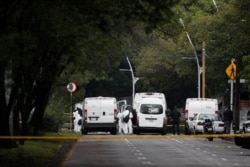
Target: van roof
x=149 y=94
x=100 y=98
x=152 y=100
x=200 y=99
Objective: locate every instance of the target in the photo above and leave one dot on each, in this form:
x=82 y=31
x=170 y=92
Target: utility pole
x=203 y=70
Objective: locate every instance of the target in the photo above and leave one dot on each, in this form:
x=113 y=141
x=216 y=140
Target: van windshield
x=151 y=109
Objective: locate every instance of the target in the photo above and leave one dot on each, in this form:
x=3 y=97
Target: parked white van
x=151 y=112
x=99 y=114
x=195 y=106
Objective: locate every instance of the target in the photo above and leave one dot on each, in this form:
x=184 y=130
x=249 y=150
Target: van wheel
x=187 y=131
x=138 y=132
x=134 y=130
x=84 y=131
x=164 y=131
x=113 y=131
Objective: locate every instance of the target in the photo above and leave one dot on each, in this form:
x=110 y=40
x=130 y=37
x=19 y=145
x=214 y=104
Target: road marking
x=138 y=154
x=141 y=158
x=147 y=163
x=178 y=141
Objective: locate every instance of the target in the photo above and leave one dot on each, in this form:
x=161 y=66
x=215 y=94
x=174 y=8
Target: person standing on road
x=120 y=123
x=77 y=120
x=228 y=117
x=176 y=121
x=127 y=126
x=130 y=124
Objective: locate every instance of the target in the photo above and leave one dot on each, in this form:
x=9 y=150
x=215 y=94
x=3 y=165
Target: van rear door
x=210 y=106
x=93 y=107
x=151 y=115
x=101 y=110
x=107 y=110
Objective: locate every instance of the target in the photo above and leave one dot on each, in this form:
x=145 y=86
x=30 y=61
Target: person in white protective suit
x=120 y=123
x=77 y=119
x=127 y=126
x=130 y=125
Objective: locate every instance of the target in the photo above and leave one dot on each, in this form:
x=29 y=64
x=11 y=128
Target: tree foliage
x=46 y=44
x=222 y=25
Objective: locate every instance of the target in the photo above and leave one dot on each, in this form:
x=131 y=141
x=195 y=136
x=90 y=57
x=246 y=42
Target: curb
x=59 y=156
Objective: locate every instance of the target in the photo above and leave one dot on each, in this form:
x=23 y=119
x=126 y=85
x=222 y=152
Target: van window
x=217 y=118
x=205 y=116
x=151 y=109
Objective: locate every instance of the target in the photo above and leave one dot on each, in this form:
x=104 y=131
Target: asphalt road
x=143 y=151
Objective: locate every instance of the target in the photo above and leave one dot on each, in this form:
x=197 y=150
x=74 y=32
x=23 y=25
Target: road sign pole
x=71 y=88
x=231 y=73
x=231 y=94
x=70 y=115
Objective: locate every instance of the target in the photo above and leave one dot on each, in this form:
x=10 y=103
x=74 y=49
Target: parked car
x=246 y=127
x=196 y=124
x=218 y=125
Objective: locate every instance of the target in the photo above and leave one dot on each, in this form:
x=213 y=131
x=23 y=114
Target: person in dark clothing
x=228 y=117
x=176 y=120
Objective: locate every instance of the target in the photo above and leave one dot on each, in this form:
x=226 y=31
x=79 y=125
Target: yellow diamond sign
x=231 y=71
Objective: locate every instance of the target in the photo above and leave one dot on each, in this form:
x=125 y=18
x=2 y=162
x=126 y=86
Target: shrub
x=52 y=121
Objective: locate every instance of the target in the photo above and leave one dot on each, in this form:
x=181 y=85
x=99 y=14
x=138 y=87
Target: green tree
x=224 y=28
x=39 y=40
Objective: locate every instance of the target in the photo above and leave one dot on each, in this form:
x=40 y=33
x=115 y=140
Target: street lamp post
x=134 y=79
x=199 y=69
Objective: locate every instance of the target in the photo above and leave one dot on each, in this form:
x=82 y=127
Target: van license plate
x=93 y=118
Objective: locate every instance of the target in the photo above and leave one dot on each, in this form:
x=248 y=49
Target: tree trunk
x=4 y=113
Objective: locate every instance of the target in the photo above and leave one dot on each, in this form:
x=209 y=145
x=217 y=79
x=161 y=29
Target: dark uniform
x=176 y=120
x=228 y=117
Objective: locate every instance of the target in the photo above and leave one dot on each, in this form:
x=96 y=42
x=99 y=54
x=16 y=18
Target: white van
x=195 y=106
x=99 y=114
x=151 y=112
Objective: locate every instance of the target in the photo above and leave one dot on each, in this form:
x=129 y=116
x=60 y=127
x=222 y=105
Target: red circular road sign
x=71 y=87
